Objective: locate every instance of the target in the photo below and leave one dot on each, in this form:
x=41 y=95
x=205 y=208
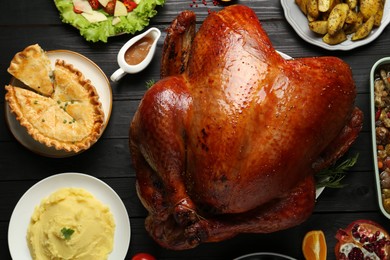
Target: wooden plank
x=48 y=14
x=358 y=186
x=116 y=151
x=105 y=55
x=282 y=242
x=110 y=160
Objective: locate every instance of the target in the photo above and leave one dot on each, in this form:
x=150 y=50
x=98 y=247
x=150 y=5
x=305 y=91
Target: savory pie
x=70 y=119
x=33 y=68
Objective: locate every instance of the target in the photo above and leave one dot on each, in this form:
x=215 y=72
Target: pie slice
x=71 y=119
x=33 y=68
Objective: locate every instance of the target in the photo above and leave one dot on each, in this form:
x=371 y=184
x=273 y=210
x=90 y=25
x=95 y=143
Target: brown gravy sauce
x=138 y=51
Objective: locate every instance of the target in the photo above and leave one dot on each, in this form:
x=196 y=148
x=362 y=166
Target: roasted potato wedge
x=312 y=9
x=352 y=4
x=320 y=27
x=324 y=5
x=364 y=30
x=302 y=5
x=369 y=8
x=352 y=17
x=379 y=14
x=325 y=15
x=337 y=18
x=353 y=27
x=337 y=38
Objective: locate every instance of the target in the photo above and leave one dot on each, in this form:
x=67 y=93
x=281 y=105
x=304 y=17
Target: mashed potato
x=71 y=224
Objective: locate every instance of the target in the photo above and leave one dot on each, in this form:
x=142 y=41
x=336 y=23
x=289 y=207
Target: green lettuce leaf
x=135 y=21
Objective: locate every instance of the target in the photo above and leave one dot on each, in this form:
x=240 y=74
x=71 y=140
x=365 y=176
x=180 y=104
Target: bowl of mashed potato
x=69 y=216
x=71 y=224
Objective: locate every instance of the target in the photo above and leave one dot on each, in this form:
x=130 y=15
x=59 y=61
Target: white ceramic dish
x=264 y=256
x=92 y=72
x=379 y=63
x=124 y=68
x=299 y=22
x=20 y=218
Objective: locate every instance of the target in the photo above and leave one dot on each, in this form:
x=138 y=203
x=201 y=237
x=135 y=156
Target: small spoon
x=125 y=67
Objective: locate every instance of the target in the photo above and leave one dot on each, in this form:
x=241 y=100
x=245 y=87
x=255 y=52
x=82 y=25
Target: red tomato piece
x=130 y=5
x=143 y=256
x=362 y=239
x=110 y=7
x=77 y=11
x=94 y=4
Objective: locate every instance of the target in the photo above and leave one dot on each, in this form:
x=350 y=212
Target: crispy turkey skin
x=229 y=140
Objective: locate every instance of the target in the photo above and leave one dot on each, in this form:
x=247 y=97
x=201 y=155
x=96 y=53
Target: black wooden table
x=27 y=22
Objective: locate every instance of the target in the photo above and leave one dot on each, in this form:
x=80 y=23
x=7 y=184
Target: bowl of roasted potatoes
x=337 y=24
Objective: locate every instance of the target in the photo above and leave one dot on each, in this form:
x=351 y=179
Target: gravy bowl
x=148 y=40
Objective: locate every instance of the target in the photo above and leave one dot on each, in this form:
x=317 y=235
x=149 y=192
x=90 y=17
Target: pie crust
x=33 y=68
x=71 y=119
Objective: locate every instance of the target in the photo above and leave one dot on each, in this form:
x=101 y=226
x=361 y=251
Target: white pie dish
x=300 y=24
x=90 y=71
x=20 y=218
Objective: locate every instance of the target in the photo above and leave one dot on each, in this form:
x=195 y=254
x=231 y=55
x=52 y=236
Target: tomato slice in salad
x=362 y=239
x=130 y=5
x=94 y=4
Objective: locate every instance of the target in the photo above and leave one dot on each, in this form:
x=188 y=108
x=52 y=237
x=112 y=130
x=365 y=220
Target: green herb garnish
x=331 y=177
x=67 y=233
x=150 y=83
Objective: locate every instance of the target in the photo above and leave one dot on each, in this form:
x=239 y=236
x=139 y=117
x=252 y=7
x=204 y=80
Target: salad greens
x=135 y=21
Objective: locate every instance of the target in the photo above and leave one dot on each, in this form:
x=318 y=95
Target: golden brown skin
x=231 y=145
x=177 y=44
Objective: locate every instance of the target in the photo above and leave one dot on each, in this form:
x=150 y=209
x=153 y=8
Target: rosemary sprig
x=150 y=83
x=332 y=177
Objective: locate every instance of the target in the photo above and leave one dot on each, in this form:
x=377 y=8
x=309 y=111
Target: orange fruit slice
x=314 y=245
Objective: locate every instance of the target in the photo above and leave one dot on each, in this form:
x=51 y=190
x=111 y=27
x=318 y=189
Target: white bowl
x=300 y=24
x=21 y=215
x=264 y=256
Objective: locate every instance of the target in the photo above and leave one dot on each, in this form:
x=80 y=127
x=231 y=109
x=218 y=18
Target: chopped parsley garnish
x=67 y=233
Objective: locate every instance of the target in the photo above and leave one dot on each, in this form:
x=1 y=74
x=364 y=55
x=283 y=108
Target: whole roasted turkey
x=229 y=140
